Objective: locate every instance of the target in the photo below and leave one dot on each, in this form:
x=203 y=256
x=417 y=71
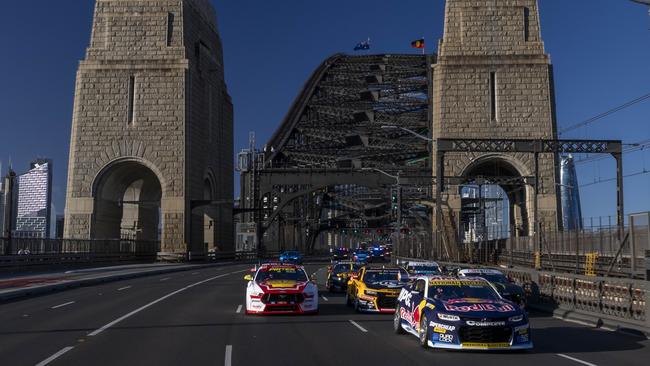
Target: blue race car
x=360 y=256
x=461 y=313
x=377 y=254
x=291 y=256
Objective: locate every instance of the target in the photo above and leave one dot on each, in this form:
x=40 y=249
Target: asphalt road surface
x=197 y=318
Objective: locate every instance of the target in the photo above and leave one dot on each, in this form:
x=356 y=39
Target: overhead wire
x=605 y=114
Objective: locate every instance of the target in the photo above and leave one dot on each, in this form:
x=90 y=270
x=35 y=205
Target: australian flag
x=363 y=45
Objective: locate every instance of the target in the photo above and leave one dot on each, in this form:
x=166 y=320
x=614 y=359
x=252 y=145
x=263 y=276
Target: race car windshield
x=445 y=293
x=491 y=277
x=424 y=269
x=290 y=274
x=342 y=268
x=380 y=276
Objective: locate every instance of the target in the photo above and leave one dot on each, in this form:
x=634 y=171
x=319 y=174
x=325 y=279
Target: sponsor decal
x=486 y=345
x=458 y=283
x=485 y=323
x=408 y=316
x=447 y=338
x=442 y=328
x=474 y=301
x=406 y=297
x=480 y=307
x=522 y=329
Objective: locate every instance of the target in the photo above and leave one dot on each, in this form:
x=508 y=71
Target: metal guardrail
x=619 y=303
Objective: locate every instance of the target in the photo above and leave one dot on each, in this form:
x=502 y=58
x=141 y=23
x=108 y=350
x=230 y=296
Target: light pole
x=399 y=202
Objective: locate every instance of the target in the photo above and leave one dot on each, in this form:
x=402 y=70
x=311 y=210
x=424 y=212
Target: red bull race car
x=462 y=314
x=279 y=288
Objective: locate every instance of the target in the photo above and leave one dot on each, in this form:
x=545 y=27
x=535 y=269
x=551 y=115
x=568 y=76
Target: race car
x=280 y=288
x=507 y=289
x=338 y=274
x=340 y=254
x=377 y=254
x=360 y=256
x=376 y=288
x=415 y=268
x=461 y=313
x=291 y=256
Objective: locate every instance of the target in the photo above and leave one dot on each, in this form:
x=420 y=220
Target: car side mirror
x=248 y=277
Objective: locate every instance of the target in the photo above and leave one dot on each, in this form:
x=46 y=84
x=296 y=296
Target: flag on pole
x=363 y=45
x=418 y=43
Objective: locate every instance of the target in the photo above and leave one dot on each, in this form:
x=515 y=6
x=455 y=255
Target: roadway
x=196 y=318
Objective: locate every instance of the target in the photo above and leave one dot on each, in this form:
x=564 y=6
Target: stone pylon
x=492 y=80
x=152 y=129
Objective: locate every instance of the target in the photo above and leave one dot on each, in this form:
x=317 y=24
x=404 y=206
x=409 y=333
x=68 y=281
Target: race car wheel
x=397 y=322
x=424 y=332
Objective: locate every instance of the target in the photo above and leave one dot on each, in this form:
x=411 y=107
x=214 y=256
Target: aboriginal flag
x=418 y=43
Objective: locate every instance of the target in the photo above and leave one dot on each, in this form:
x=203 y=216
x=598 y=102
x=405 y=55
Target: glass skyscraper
x=34 y=208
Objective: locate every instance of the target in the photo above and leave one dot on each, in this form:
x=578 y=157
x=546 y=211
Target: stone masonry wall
x=144 y=42
x=502 y=38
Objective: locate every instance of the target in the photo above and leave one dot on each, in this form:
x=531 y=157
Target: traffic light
x=395 y=202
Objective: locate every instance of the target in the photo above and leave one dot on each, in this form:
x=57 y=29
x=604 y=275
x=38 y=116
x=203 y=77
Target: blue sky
x=600 y=50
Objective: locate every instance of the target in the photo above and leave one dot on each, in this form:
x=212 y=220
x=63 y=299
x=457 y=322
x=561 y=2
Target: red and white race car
x=278 y=288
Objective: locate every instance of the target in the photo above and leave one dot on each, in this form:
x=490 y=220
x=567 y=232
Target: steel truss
x=317 y=160
x=535 y=147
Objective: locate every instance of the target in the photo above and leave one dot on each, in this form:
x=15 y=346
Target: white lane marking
x=324 y=298
x=576 y=360
x=124 y=288
x=164 y=279
x=228 y=359
x=358 y=326
x=62 y=305
x=99 y=330
x=238 y=309
x=54 y=356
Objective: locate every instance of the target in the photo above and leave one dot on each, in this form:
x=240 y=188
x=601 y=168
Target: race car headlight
x=516 y=318
x=449 y=318
x=371 y=293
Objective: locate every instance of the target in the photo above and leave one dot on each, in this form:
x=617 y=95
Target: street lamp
x=399 y=200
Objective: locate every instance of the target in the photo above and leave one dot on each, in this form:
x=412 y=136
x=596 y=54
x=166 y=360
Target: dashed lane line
x=62 y=305
x=123 y=288
x=576 y=360
x=144 y=307
x=358 y=326
x=54 y=356
x=228 y=357
x=238 y=309
x=324 y=298
x=164 y=279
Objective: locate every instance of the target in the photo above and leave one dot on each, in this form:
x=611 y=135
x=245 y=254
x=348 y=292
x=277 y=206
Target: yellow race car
x=376 y=288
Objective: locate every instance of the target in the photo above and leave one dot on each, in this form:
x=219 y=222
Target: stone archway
x=127 y=202
x=518 y=197
x=209 y=216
